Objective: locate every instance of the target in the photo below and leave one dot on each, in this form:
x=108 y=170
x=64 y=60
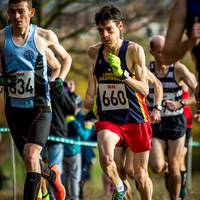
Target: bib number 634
x=24 y=87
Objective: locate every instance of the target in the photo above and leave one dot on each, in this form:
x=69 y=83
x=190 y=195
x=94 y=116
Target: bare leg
x=120 y=160
x=157 y=156
x=106 y=145
x=31 y=157
x=140 y=163
x=175 y=150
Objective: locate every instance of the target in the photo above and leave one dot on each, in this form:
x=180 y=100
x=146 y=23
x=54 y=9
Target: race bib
x=113 y=96
x=24 y=87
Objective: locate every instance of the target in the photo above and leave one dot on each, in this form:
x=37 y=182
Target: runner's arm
x=140 y=84
x=58 y=49
x=185 y=75
x=174 y=48
x=53 y=64
x=158 y=89
x=91 y=90
x=158 y=92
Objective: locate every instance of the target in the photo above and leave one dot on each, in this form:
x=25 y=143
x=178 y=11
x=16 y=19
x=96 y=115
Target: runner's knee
x=157 y=167
x=141 y=177
x=107 y=159
x=31 y=159
x=129 y=171
x=174 y=168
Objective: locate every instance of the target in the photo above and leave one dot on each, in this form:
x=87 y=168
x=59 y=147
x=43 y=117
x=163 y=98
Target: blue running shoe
x=183 y=192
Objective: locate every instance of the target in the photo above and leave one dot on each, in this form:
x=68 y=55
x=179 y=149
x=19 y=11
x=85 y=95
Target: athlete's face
x=20 y=14
x=110 y=32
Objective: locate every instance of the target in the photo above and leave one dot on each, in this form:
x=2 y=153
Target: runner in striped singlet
x=187 y=19
x=169 y=134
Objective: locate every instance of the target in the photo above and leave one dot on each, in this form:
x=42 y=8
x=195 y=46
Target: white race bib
x=24 y=87
x=113 y=96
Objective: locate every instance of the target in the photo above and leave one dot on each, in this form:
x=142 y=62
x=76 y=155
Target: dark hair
x=108 y=12
x=29 y=2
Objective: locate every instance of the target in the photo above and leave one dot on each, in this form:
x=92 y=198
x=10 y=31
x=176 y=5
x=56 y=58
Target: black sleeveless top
x=116 y=101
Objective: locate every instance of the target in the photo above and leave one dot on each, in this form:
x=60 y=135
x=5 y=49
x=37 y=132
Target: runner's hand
x=57 y=85
x=155 y=116
x=115 y=63
x=8 y=80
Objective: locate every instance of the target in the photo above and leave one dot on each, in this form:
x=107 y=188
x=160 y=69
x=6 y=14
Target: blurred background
x=73 y=22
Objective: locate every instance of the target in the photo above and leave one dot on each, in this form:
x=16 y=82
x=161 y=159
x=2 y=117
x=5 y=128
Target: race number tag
x=113 y=96
x=24 y=87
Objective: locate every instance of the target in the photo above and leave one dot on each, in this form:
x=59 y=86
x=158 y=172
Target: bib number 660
x=119 y=98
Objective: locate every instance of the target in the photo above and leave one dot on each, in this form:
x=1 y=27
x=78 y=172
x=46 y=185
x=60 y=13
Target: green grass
x=94 y=188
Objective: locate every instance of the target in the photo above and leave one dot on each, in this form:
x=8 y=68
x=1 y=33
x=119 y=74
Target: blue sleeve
x=80 y=130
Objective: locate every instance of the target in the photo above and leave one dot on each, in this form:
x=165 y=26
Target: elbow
x=145 y=92
x=67 y=59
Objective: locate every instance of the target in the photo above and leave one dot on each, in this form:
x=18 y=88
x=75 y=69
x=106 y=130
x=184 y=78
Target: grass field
x=95 y=191
x=94 y=188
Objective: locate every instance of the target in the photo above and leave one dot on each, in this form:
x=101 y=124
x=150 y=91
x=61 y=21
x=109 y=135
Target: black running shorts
x=170 y=128
x=29 y=125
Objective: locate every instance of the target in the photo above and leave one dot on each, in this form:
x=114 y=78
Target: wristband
x=158 y=107
x=125 y=75
x=182 y=103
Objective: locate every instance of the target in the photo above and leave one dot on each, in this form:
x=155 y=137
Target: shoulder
x=46 y=34
x=181 y=71
x=179 y=67
x=93 y=50
x=134 y=48
x=135 y=53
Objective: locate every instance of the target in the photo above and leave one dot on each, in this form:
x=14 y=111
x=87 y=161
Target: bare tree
x=73 y=17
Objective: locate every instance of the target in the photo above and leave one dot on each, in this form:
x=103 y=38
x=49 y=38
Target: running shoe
x=46 y=196
x=119 y=195
x=39 y=197
x=57 y=187
x=183 y=192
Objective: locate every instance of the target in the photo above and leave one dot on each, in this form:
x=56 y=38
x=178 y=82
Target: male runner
x=121 y=108
x=169 y=134
x=187 y=19
x=27 y=106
